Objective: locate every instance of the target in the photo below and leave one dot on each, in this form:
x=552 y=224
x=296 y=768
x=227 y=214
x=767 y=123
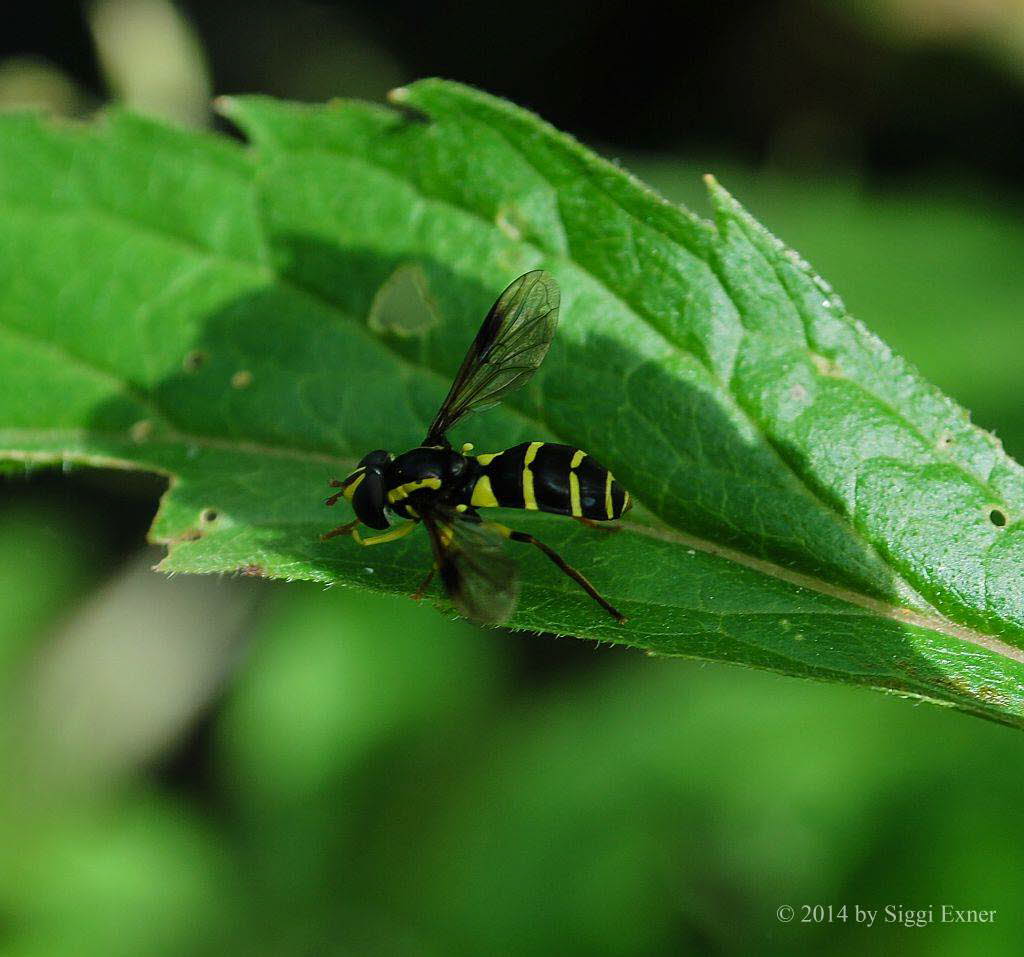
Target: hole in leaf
x=404 y=305
x=510 y=222
x=997 y=517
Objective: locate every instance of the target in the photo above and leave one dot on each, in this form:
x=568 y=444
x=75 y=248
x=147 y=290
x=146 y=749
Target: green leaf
x=894 y=261
x=177 y=303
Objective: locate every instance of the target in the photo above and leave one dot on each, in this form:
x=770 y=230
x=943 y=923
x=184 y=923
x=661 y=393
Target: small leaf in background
x=152 y=59
x=177 y=303
x=112 y=690
x=32 y=83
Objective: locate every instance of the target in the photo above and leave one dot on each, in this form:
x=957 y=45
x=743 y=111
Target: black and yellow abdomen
x=546 y=477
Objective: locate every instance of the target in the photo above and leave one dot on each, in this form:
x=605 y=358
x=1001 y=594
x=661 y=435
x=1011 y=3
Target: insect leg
x=425 y=584
x=573 y=573
x=347 y=529
x=335 y=483
x=399 y=531
x=600 y=526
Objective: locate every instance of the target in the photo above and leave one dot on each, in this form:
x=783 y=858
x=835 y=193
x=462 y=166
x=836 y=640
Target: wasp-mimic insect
x=443 y=488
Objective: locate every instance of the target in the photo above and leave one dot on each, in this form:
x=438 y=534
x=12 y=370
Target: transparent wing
x=510 y=345
x=481 y=580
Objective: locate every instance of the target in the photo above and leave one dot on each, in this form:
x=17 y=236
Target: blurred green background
x=278 y=769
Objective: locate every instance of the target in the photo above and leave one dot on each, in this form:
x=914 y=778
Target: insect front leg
x=349 y=528
x=335 y=483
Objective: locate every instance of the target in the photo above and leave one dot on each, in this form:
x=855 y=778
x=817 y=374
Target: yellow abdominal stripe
x=575 y=507
x=529 y=498
x=609 y=505
x=483 y=494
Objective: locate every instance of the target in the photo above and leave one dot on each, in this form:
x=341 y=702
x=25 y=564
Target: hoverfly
x=443 y=489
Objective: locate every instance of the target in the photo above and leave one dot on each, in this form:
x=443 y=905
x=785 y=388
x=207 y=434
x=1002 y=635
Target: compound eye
x=378 y=458
x=368 y=500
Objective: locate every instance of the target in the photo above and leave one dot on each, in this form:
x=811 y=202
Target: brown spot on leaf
x=141 y=430
x=993 y=695
x=827 y=366
x=194 y=360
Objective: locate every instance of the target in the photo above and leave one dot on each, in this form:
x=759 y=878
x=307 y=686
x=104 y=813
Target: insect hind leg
x=425 y=584
x=576 y=575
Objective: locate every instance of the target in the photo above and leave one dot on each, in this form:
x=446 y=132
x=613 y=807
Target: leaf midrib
x=898 y=613
x=871 y=606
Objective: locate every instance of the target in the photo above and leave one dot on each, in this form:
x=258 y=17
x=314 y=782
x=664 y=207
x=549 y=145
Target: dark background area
x=796 y=84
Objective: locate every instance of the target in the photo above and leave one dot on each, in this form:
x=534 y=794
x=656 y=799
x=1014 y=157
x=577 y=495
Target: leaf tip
x=723 y=203
x=720 y=196
x=225 y=106
x=399 y=96
x=403 y=99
